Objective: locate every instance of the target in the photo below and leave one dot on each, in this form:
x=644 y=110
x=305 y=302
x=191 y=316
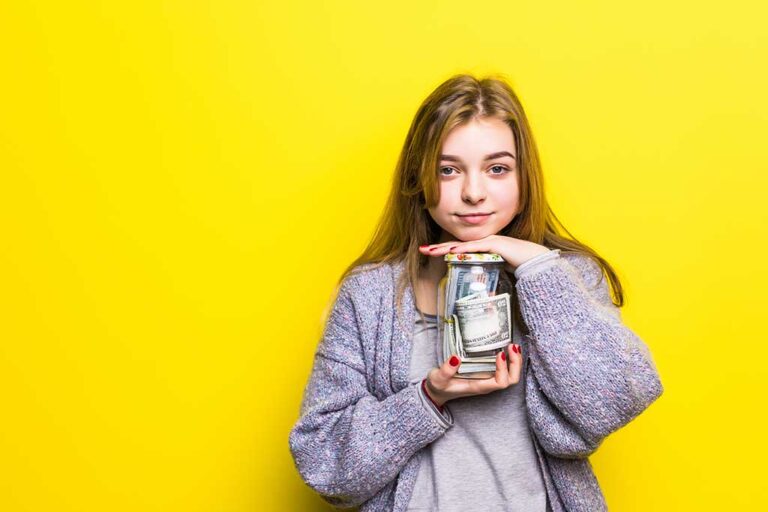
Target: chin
x=469 y=235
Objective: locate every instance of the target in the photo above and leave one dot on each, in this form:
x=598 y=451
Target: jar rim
x=473 y=257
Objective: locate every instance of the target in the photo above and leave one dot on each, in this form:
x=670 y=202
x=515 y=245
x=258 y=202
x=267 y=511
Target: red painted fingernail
x=454 y=361
x=432 y=248
x=452 y=248
x=519 y=349
x=423 y=246
x=514 y=347
x=503 y=356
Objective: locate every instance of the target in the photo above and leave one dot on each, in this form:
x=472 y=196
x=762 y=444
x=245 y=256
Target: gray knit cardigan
x=361 y=422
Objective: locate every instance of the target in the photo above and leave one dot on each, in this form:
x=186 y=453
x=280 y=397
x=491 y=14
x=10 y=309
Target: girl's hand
x=514 y=251
x=443 y=386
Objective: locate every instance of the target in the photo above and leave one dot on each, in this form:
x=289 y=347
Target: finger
x=439 y=249
x=447 y=370
x=502 y=368
x=441 y=244
x=483 y=245
x=515 y=364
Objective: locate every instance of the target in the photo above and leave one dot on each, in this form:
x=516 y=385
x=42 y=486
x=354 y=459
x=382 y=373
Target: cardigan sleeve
x=347 y=443
x=589 y=374
x=554 y=432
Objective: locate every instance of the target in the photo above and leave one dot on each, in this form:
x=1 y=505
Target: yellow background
x=181 y=184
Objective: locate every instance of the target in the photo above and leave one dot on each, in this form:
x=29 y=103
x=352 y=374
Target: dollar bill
x=483 y=323
x=470 y=364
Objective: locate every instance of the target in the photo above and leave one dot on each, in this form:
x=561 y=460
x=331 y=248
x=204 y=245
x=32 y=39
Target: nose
x=473 y=190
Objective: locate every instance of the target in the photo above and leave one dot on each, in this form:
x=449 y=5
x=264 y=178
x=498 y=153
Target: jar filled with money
x=474 y=322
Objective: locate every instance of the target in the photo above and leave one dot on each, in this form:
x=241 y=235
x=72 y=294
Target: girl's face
x=478 y=177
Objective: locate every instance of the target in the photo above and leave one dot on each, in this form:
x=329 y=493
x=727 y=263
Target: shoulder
x=369 y=279
x=360 y=299
x=587 y=268
x=593 y=279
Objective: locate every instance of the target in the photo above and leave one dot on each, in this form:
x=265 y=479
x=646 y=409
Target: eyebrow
x=488 y=157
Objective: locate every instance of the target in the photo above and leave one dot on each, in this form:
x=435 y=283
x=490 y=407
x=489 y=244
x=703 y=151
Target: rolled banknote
x=484 y=323
x=480 y=364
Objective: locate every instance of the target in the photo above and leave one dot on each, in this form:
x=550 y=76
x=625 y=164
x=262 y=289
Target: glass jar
x=473 y=322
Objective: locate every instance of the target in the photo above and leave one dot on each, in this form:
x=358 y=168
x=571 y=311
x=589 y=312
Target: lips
x=476 y=218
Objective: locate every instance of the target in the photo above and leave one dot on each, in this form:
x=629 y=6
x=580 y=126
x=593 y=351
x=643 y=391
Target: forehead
x=479 y=137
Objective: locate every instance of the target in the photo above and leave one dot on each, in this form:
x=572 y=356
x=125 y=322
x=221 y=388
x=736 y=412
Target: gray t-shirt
x=486 y=460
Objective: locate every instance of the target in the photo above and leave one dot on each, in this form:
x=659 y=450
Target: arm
x=592 y=374
x=554 y=432
x=347 y=444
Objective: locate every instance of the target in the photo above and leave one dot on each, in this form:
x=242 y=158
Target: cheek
x=508 y=203
x=447 y=199
x=507 y=195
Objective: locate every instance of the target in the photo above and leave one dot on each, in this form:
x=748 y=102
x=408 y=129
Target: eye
x=503 y=168
x=444 y=168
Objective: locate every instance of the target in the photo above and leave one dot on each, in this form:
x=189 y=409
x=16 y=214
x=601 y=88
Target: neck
x=436 y=267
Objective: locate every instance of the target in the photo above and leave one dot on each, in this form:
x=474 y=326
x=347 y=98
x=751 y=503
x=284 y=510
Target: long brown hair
x=405 y=223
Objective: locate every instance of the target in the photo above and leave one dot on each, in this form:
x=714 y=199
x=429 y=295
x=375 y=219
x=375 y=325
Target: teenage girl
x=385 y=424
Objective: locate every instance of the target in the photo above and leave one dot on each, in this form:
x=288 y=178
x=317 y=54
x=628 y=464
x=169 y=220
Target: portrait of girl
x=384 y=424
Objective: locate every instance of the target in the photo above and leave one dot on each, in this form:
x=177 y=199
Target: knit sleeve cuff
x=444 y=417
x=537 y=263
